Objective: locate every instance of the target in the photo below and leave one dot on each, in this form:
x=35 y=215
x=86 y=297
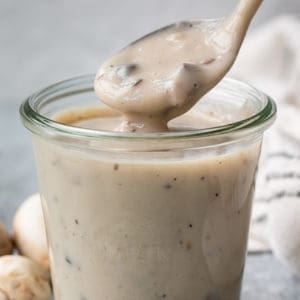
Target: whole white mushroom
x=23 y=279
x=284 y=232
x=29 y=230
x=6 y=245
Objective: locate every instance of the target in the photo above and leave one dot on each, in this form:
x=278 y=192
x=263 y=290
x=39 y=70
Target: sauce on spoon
x=163 y=74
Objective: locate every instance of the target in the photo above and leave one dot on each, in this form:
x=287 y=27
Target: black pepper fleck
x=168 y=186
x=68 y=260
x=217 y=194
x=202 y=178
x=164 y=295
x=139 y=81
x=190 y=225
x=116 y=167
x=76 y=221
x=195 y=85
x=188 y=245
x=175 y=179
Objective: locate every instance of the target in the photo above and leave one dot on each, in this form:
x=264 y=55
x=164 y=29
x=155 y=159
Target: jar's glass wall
x=152 y=216
x=243 y=110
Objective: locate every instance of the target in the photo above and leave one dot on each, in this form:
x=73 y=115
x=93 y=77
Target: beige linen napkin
x=270 y=60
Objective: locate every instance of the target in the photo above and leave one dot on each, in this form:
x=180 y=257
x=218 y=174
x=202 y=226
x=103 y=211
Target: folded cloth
x=270 y=60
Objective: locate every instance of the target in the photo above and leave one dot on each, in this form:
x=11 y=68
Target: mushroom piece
x=23 y=279
x=29 y=230
x=6 y=246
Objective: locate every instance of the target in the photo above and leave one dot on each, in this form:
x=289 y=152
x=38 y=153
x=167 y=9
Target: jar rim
x=42 y=125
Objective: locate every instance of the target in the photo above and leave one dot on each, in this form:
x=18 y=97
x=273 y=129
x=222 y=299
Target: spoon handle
x=238 y=22
x=246 y=9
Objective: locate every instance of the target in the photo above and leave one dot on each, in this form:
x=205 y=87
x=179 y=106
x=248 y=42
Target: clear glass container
x=147 y=216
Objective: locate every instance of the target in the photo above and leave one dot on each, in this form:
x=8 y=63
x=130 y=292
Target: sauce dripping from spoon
x=163 y=74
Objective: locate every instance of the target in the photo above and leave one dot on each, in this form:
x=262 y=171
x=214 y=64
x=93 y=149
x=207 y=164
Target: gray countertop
x=45 y=41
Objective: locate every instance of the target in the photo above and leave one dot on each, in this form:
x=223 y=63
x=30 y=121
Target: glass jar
x=147 y=216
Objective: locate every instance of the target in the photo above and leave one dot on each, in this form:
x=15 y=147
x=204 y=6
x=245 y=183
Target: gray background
x=45 y=41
